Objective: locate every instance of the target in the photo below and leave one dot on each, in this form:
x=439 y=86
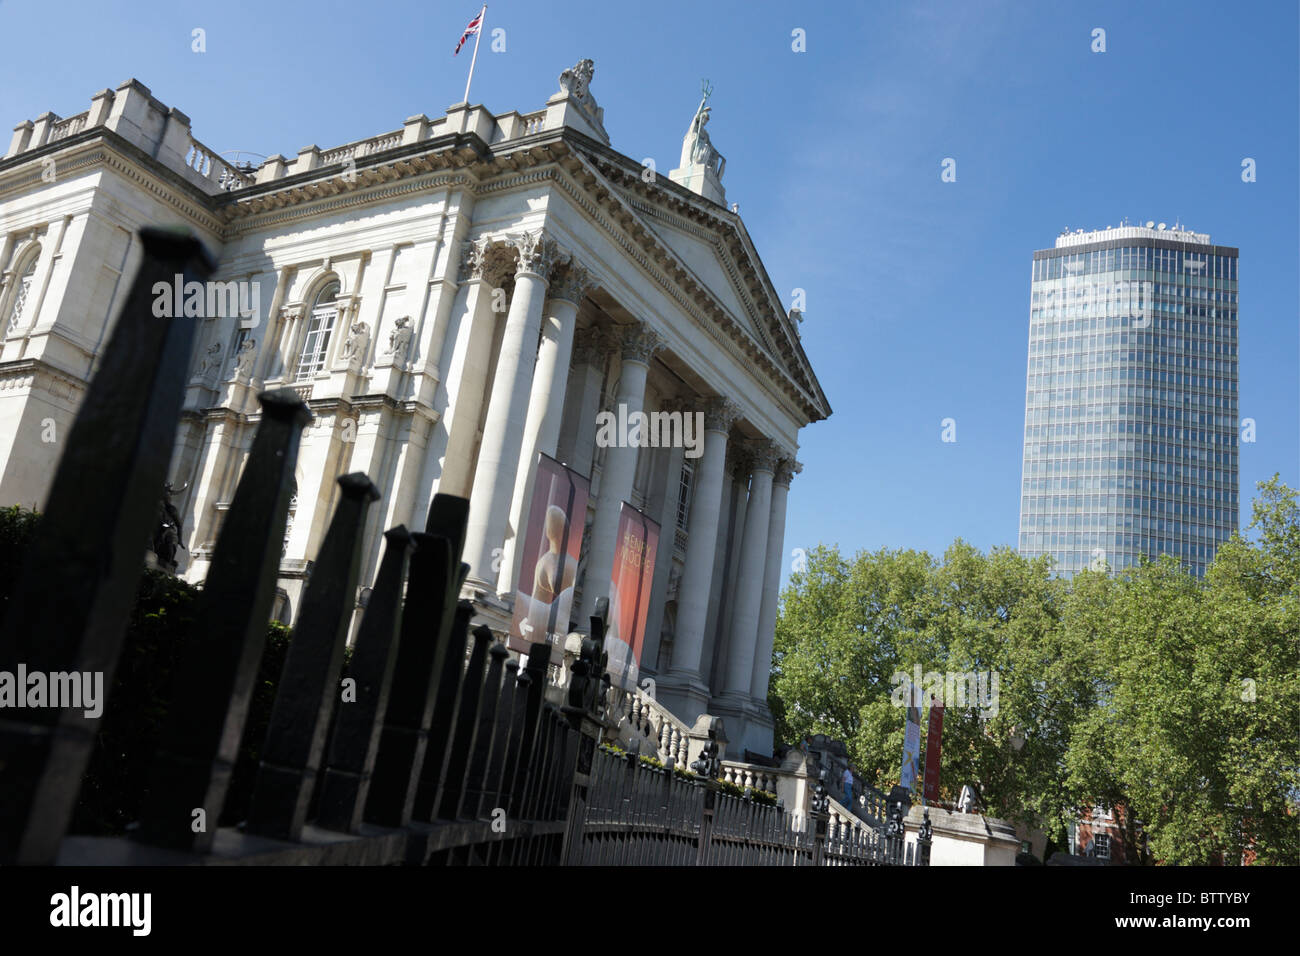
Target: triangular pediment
x=706 y=251
x=698 y=252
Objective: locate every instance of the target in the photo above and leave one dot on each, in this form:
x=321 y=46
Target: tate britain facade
x=459 y=302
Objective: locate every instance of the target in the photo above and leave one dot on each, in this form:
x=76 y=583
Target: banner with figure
x=629 y=594
x=552 y=547
x=911 y=738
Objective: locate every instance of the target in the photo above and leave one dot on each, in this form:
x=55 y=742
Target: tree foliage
x=1176 y=697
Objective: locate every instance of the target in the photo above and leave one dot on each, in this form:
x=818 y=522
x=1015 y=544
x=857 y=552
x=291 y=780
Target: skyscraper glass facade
x=1131 y=420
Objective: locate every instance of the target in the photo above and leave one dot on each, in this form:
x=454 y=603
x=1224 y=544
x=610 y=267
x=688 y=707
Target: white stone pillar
x=503 y=431
x=685 y=687
x=577 y=446
x=786 y=469
x=639 y=343
x=545 y=403
x=730 y=534
x=460 y=393
x=749 y=581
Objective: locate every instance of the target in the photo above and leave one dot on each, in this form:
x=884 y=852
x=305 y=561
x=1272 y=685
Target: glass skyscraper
x=1130 y=399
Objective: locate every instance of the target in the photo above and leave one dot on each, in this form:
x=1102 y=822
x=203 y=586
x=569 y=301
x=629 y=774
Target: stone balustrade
x=133 y=112
x=751 y=776
x=68 y=127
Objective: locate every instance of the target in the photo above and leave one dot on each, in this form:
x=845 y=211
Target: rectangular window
x=684 y=494
x=1101 y=846
x=316 y=345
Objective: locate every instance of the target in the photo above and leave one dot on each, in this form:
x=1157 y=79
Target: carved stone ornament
x=576 y=81
x=399 y=339
x=572 y=283
x=474 y=256
x=537 y=253
x=720 y=414
x=786 y=469
x=639 y=342
x=354 y=346
x=244 y=358
x=210 y=364
x=590 y=346
x=766 y=454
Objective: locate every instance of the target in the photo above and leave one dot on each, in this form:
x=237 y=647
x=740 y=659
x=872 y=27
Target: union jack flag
x=471 y=30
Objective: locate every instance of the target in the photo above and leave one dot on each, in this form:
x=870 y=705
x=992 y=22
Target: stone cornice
x=581 y=167
x=103 y=148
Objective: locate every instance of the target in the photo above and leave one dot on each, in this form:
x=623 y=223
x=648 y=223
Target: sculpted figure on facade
x=210 y=365
x=354 y=346
x=399 y=339
x=244 y=359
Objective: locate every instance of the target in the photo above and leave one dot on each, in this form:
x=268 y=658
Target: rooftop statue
x=697 y=148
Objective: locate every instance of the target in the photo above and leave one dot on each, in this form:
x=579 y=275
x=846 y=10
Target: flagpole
x=474 y=59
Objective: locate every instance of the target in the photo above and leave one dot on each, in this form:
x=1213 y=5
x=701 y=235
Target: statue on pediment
x=697 y=147
x=577 y=79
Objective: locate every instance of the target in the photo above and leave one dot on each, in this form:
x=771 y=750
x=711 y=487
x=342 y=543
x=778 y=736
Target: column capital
x=740 y=461
x=786 y=469
x=538 y=253
x=590 y=345
x=482 y=259
x=766 y=454
x=720 y=414
x=572 y=282
x=639 y=342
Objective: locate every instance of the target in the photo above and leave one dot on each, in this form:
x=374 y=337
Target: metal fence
x=449 y=753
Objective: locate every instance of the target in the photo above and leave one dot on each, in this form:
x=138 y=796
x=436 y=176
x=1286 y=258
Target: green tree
x=1177 y=698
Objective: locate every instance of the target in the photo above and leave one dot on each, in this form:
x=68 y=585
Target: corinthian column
x=498 y=457
x=684 y=688
x=786 y=469
x=545 y=402
x=638 y=343
x=749 y=580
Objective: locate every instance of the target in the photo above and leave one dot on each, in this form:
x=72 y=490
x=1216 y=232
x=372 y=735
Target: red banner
x=933 y=742
x=629 y=594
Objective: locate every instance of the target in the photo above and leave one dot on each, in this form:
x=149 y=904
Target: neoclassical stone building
x=450 y=299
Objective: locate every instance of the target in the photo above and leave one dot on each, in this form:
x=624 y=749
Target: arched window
x=320 y=326
x=22 y=292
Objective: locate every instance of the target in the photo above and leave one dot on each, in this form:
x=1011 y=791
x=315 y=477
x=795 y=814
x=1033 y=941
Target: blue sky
x=917 y=290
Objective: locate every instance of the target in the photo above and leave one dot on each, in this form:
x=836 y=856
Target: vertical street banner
x=933 y=746
x=551 y=549
x=629 y=594
x=911 y=739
